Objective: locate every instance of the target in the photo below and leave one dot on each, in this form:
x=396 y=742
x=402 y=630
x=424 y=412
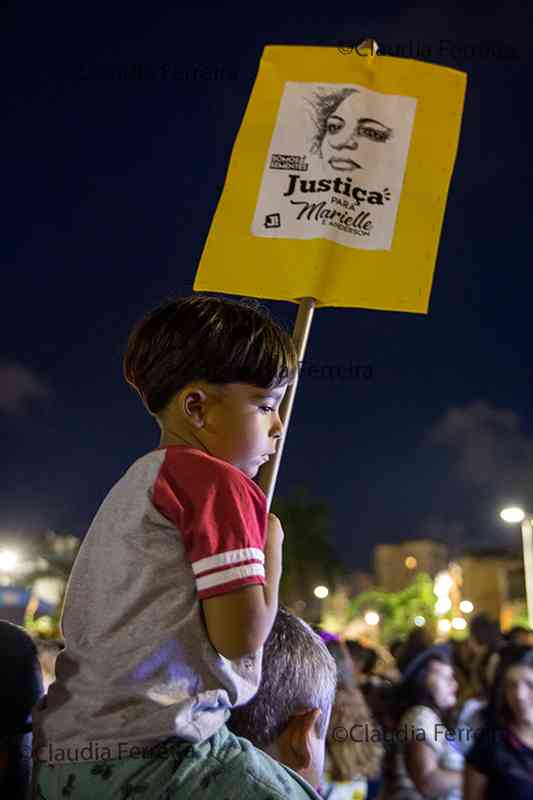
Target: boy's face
x=241 y=425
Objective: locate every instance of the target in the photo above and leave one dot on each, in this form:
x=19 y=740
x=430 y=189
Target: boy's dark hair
x=213 y=339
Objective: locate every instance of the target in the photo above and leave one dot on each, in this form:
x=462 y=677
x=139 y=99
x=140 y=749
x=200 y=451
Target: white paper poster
x=335 y=165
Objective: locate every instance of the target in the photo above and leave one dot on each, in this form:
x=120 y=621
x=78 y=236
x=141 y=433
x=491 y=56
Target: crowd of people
x=446 y=721
x=182 y=676
x=455 y=721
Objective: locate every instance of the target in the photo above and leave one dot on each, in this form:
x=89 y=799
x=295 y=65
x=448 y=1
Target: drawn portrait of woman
x=345 y=139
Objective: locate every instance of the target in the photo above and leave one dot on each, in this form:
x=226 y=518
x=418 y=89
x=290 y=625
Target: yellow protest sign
x=337 y=182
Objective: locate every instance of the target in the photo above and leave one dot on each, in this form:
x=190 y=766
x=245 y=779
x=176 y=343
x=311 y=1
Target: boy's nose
x=277 y=427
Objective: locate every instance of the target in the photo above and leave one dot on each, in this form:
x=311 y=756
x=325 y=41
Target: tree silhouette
x=309 y=557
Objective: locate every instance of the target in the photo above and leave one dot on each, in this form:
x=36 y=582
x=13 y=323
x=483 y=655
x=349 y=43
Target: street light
x=516 y=514
x=8 y=560
x=512 y=514
x=321 y=592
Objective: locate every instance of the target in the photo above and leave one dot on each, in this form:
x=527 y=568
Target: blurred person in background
x=422 y=761
x=47 y=652
x=485 y=639
x=354 y=748
x=21 y=688
x=364 y=660
x=418 y=640
x=376 y=673
x=462 y=660
x=395 y=648
x=500 y=762
x=372 y=665
x=471 y=713
x=520 y=635
x=485 y=633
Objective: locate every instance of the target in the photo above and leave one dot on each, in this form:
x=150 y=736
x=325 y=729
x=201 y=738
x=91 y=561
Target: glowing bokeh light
x=372 y=618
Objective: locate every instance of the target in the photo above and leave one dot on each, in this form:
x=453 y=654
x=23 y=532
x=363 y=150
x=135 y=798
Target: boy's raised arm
x=239 y=622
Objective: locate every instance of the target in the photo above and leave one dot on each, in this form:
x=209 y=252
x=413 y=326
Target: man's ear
x=298 y=734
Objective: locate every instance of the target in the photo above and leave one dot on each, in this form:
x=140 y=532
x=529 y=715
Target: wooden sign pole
x=269 y=472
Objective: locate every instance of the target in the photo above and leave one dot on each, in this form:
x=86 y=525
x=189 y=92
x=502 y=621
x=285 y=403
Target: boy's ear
x=194 y=405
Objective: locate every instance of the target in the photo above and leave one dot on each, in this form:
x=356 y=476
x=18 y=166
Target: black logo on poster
x=280 y=161
x=272 y=221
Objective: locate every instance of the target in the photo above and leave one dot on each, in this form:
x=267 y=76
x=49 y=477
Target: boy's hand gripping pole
x=269 y=472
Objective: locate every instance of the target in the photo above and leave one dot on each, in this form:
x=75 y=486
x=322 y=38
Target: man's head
x=213 y=373
x=289 y=715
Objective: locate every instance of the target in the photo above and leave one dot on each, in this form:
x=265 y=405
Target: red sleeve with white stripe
x=221 y=514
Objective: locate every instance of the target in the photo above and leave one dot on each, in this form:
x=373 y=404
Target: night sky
x=109 y=188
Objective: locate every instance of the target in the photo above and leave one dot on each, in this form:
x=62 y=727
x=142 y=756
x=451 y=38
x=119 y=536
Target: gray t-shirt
x=138 y=667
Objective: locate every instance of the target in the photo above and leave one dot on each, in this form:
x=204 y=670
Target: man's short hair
x=298 y=674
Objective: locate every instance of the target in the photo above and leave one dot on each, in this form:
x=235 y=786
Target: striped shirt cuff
x=228 y=571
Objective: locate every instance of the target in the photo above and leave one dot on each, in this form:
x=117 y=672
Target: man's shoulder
x=255 y=768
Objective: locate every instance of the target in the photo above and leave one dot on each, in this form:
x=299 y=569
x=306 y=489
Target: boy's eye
x=266 y=409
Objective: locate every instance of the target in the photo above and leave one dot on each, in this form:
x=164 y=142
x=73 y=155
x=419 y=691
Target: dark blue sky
x=110 y=185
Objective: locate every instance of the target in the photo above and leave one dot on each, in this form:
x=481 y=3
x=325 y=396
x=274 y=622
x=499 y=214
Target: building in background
x=395 y=565
x=494 y=581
